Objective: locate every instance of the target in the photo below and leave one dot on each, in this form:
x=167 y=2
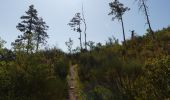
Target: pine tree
x=75 y=23
x=40 y=33
x=118 y=10
x=27 y=26
x=19 y=44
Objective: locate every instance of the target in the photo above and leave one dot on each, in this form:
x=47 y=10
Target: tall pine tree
x=34 y=31
x=28 y=27
x=75 y=23
x=118 y=9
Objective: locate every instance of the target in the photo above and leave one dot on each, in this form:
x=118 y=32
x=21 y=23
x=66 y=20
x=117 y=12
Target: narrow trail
x=72 y=83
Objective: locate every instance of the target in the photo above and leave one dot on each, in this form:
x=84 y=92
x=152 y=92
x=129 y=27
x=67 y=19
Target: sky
x=58 y=13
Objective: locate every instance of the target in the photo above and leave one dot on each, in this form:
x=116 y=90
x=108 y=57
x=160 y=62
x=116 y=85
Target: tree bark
x=147 y=18
x=123 y=31
x=85 y=25
x=80 y=38
x=29 y=36
x=38 y=41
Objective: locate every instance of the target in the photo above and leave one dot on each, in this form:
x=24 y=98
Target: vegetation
x=106 y=75
x=102 y=72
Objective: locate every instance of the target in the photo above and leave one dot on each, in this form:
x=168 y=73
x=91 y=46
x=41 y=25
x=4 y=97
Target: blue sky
x=57 y=13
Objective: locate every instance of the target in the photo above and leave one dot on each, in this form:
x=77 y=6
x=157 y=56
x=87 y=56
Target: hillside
x=138 y=71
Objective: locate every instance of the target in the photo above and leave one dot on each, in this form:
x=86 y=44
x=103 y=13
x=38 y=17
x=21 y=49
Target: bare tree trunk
x=123 y=31
x=85 y=25
x=27 y=47
x=80 y=39
x=29 y=37
x=147 y=18
x=85 y=42
x=37 y=45
x=29 y=42
x=124 y=44
x=80 y=42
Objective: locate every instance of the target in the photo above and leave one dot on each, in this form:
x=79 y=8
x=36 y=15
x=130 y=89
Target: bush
x=155 y=84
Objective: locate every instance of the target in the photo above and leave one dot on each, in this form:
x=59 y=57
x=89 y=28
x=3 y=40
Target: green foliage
x=106 y=69
x=28 y=27
x=33 y=29
x=156 y=79
x=99 y=93
x=2 y=42
x=117 y=9
x=34 y=77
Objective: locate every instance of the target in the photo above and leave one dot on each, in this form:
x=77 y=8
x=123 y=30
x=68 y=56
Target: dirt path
x=72 y=82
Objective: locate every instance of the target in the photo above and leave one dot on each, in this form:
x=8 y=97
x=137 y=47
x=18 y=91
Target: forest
x=137 y=68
